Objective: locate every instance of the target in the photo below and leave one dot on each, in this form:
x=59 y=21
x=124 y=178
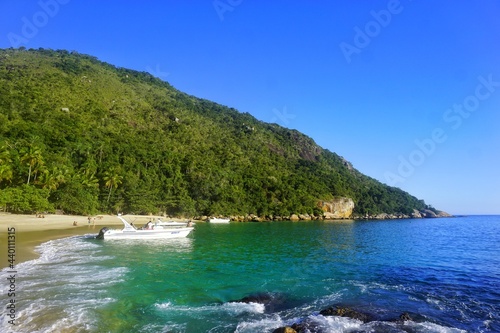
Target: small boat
x=149 y=231
x=217 y=220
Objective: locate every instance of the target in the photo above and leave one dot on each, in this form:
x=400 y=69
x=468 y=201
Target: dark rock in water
x=101 y=233
x=377 y=324
x=272 y=301
x=261 y=298
x=286 y=329
x=302 y=327
x=307 y=326
x=343 y=311
x=405 y=316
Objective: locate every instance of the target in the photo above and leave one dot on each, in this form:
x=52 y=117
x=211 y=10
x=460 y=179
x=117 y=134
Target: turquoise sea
x=445 y=273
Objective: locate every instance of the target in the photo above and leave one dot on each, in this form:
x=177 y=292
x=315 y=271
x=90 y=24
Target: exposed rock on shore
x=337 y=208
x=426 y=213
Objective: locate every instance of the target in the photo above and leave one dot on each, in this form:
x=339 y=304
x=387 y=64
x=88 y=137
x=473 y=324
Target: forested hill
x=84 y=136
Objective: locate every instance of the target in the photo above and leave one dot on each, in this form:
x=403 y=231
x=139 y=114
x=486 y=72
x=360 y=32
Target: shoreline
x=31 y=231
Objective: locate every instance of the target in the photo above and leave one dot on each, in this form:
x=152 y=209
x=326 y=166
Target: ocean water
x=444 y=272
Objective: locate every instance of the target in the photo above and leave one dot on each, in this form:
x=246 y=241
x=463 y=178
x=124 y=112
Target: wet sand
x=31 y=231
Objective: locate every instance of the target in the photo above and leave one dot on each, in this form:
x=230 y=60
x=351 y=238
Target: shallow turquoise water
x=444 y=272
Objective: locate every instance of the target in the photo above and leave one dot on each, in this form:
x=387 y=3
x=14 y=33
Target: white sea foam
x=261 y=325
x=233 y=308
x=163 y=327
x=325 y=324
x=368 y=287
x=434 y=301
x=237 y=308
x=163 y=305
x=60 y=290
x=427 y=327
x=335 y=324
x=324 y=301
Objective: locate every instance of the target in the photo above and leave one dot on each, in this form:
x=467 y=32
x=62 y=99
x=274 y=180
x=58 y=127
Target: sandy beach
x=31 y=231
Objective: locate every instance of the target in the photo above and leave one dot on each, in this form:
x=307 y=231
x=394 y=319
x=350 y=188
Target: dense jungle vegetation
x=83 y=136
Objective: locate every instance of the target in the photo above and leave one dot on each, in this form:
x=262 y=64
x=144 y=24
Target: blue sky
x=408 y=91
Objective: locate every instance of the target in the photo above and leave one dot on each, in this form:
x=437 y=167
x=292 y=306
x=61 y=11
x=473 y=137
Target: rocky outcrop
x=260 y=298
x=432 y=213
x=343 y=311
x=347 y=164
x=443 y=214
x=384 y=323
x=428 y=213
x=271 y=301
x=416 y=214
x=305 y=217
x=337 y=208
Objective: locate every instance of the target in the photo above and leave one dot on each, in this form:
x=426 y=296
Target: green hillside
x=83 y=136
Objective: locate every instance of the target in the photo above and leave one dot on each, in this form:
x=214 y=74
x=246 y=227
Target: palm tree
x=5 y=155
x=53 y=178
x=5 y=165
x=88 y=180
x=32 y=157
x=5 y=173
x=112 y=179
x=86 y=174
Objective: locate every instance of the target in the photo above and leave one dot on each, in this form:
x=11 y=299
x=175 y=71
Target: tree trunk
x=29 y=175
x=109 y=194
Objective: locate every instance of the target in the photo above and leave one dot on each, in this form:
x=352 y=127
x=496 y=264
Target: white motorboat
x=149 y=231
x=218 y=220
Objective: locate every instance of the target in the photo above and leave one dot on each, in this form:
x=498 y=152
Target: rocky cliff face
x=417 y=214
x=337 y=208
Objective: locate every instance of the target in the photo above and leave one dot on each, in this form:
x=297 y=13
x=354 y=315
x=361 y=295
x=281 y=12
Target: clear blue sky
x=408 y=91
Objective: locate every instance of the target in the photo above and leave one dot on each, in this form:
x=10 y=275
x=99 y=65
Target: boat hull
x=148 y=234
x=129 y=231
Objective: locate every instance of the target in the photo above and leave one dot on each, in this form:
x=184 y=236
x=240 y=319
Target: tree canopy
x=83 y=136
